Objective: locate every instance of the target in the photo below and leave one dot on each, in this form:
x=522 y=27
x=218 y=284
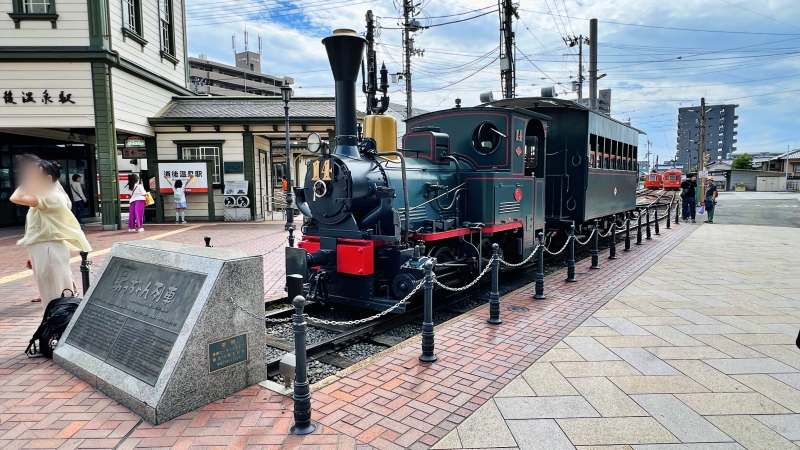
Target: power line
x=670 y=28
x=759 y=14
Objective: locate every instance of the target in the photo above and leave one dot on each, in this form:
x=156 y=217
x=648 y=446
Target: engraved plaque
x=133 y=317
x=227 y=352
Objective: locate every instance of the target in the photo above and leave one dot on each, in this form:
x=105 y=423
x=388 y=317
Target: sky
x=657 y=56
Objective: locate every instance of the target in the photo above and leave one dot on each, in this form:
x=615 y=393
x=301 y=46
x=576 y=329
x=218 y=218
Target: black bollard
x=669 y=211
x=627 y=232
x=677 y=210
x=85 y=271
x=427 y=320
x=302 y=392
x=540 y=269
x=612 y=249
x=571 y=260
x=656 y=213
x=494 y=296
x=647 y=216
x=208 y=241
x=594 y=251
x=294 y=285
x=639 y=229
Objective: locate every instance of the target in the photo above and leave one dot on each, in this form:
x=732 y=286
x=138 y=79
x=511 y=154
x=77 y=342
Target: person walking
x=710 y=200
x=688 y=193
x=78 y=198
x=137 y=204
x=179 y=198
x=51 y=229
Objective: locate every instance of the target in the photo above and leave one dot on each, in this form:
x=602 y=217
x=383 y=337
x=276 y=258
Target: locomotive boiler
x=464 y=179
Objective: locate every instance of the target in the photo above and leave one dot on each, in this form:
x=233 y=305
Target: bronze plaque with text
x=132 y=319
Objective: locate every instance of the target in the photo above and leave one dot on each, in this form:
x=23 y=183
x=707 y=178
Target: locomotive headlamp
x=313 y=142
x=320 y=189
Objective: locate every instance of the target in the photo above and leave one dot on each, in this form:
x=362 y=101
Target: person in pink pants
x=137 y=203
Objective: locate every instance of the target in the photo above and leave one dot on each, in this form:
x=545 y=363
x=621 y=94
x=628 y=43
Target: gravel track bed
x=317 y=371
x=286 y=332
x=274 y=353
x=361 y=351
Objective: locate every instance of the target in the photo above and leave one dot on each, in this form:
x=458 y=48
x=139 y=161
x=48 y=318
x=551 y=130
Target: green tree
x=743 y=162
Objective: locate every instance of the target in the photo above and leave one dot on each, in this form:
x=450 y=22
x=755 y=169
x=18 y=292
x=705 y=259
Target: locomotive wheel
x=443 y=254
x=402 y=285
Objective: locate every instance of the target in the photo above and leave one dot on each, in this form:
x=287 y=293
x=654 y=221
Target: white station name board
x=194 y=176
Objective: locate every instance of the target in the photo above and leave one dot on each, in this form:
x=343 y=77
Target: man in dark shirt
x=688 y=195
x=711 y=196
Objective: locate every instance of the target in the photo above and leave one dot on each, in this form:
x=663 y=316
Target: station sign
x=193 y=174
x=134 y=153
x=134 y=141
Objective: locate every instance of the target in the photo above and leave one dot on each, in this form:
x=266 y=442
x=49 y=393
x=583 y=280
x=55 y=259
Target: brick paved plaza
x=690 y=344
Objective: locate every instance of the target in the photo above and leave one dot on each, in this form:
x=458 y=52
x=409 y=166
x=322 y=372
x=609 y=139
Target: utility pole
x=701 y=149
x=579 y=41
x=507 y=64
x=593 y=64
x=649 y=166
x=408 y=8
x=369 y=78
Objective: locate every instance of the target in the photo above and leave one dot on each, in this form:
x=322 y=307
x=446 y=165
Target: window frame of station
x=166 y=8
x=18 y=12
x=621 y=157
x=136 y=33
x=198 y=144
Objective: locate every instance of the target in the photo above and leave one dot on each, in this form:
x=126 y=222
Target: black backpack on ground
x=57 y=316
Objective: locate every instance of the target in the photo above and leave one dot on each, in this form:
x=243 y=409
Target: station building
x=245 y=137
x=84 y=83
x=79 y=77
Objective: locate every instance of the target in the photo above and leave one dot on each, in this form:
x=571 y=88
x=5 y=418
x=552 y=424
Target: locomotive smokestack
x=345 y=50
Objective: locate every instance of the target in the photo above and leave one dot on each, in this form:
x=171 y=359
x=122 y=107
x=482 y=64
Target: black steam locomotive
x=465 y=178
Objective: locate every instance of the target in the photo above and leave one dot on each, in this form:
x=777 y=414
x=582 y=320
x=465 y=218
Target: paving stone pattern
x=395 y=402
x=697 y=353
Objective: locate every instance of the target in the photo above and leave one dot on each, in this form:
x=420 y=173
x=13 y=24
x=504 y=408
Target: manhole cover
x=517 y=308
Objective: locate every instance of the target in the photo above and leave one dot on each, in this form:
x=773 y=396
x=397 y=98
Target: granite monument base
x=158 y=334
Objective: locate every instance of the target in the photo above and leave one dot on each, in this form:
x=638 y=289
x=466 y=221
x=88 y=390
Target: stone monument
x=157 y=332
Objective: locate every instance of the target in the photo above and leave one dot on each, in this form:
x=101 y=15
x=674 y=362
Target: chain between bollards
x=539 y=295
x=594 y=251
x=639 y=229
x=571 y=260
x=612 y=249
x=494 y=296
x=84 y=272
x=627 y=232
x=427 y=321
x=302 y=391
x=647 y=216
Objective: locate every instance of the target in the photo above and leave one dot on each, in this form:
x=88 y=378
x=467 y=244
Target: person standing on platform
x=688 y=193
x=179 y=199
x=711 y=200
x=137 y=204
x=78 y=198
x=51 y=229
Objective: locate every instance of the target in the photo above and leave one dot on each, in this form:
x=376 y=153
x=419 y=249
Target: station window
x=37 y=6
x=33 y=10
x=167 y=29
x=132 y=19
x=213 y=153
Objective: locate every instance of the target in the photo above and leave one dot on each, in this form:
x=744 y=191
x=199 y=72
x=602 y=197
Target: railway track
x=327 y=350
